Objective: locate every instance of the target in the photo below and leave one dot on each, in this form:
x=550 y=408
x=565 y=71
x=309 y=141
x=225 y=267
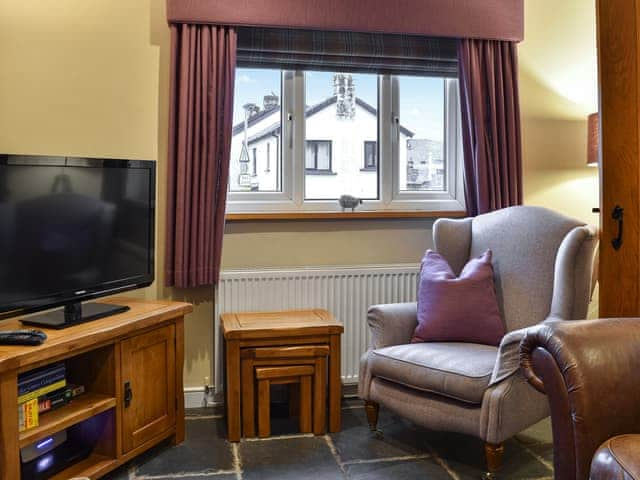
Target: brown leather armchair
x=590 y=371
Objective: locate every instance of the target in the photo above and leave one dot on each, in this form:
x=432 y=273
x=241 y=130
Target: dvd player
x=54 y=461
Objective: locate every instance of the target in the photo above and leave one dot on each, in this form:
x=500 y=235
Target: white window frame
x=390 y=198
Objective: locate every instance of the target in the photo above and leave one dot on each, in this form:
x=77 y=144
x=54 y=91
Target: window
x=318 y=156
x=255 y=162
x=268 y=169
x=393 y=141
x=257 y=118
x=342 y=107
x=370 y=155
x=421 y=156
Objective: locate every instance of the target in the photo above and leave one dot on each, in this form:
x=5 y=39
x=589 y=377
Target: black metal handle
x=128 y=394
x=618 y=215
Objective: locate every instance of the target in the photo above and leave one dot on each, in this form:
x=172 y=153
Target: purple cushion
x=458 y=309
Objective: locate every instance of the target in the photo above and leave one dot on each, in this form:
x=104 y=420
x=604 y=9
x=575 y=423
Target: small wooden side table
x=267 y=329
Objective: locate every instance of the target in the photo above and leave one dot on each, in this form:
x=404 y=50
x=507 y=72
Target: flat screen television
x=73 y=229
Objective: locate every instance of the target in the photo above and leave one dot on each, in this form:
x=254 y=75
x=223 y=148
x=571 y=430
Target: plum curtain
x=203 y=61
x=491 y=138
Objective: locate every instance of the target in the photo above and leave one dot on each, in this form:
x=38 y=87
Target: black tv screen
x=73 y=229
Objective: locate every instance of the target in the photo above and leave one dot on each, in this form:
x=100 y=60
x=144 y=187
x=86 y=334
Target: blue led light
x=44 y=443
x=44 y=463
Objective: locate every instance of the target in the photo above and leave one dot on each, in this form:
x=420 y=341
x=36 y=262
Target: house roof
x=238 y=127
x=312 y=110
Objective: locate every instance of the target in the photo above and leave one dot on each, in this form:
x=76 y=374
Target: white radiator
x=347 y=292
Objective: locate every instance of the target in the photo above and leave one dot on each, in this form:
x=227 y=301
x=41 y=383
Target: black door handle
x=618 y=215
x=128 y=394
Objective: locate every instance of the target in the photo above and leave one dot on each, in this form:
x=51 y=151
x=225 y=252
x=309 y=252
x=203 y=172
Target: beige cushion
x=456 y=370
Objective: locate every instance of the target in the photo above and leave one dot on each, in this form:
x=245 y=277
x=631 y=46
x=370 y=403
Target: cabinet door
x=148 y=376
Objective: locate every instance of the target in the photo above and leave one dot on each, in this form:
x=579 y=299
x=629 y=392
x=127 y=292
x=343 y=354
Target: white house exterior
x=265 y=170
x=341 y=151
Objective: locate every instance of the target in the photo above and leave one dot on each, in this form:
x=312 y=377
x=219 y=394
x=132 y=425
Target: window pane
x=310 y=156
x=370 y=154
x=324 y=155
x=341 y=114
x=255 y=163
x=421 y=160
x=318 y=155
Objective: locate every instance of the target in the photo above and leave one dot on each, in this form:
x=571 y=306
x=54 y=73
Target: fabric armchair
x=542 y=263
x=392 y=324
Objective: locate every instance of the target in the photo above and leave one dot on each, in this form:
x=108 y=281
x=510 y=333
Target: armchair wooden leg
x=372 y=409
x=494 y=453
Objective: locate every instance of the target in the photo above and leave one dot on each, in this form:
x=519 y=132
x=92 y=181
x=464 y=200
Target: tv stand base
x=73 y=314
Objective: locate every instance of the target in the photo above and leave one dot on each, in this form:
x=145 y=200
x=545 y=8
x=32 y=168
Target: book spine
x=59 y=398
x=47 y=404
x=42 y=391
x=31 y=376
x=39 y=383
x=76 y=390
x=44 y=405
x=53 y=400
x=40 y=374
x=28 y=415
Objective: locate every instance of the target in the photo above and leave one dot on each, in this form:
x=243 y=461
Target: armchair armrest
x=589 y=371
x=508 y=360
x=392 y=324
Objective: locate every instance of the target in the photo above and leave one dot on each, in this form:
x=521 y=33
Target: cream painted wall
x=325 y=243
x=78 y=78
x=559 y=88
x=91 y=78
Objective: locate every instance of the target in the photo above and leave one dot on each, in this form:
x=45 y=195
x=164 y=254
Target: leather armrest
x=392 y=324
x=589 y=371
x=618 y=458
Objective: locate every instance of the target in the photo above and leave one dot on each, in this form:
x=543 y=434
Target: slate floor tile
x=356 y=442
x=352 y=402
x=288 y=459
x=206 y=454
x=419 y=469
x=465 y=456
x=205 y=450
x=544 y=451
x=224 y=476
x=538 y=433
x=203 y=412
x=519 y=465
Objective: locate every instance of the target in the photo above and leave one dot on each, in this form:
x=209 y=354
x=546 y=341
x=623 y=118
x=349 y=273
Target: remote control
x=22 y=337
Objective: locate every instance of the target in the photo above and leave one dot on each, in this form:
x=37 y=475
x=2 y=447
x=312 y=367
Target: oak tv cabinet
x=131 y=367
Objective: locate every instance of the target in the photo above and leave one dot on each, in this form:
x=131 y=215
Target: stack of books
x=42 y=390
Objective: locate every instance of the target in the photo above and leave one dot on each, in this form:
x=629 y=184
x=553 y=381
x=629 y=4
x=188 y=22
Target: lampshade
x=593 y=141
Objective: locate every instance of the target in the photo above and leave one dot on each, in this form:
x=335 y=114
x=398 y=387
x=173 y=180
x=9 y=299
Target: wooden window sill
x=246 y=217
